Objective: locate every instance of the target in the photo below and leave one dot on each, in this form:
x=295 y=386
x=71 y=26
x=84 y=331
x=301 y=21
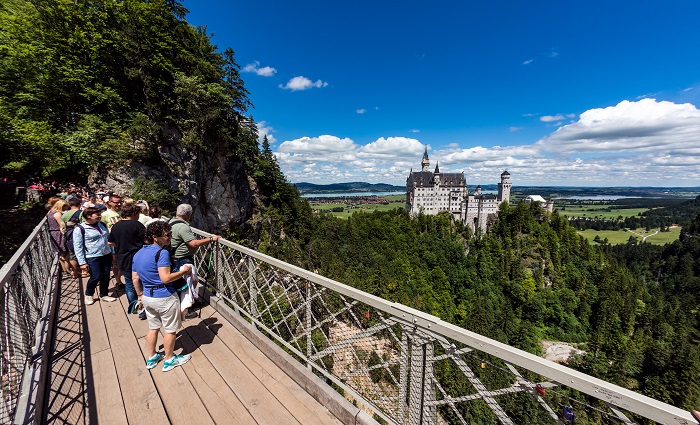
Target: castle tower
x=425 y=163
x=504 y=187
x=436 y=175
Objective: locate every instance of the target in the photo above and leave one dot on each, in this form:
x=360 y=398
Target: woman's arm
x=166 y=276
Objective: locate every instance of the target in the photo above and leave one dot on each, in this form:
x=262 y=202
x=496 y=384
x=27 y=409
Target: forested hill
x=133 y=96
x=531 y=278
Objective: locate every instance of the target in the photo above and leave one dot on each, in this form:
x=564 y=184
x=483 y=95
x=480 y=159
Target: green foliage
x=155 y=192
x=100 y=83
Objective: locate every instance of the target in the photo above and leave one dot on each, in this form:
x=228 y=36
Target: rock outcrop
x=215 y=184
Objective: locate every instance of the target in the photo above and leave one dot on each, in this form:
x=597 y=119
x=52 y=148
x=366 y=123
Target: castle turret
x=436 y=175
x=504 y=187
x=425 y=163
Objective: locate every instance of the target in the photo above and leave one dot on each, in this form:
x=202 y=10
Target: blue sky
x=558 y=93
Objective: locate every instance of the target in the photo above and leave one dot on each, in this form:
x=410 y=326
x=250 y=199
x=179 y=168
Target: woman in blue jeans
x=153 y=280
x=93 y=254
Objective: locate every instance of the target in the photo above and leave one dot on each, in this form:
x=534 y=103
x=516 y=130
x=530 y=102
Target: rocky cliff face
x=216 y=185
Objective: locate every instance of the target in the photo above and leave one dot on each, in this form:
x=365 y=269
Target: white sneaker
x=177 y=360
x=107 y=299
x=89 y=300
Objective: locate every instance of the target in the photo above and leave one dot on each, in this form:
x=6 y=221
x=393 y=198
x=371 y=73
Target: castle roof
x=426 y=179
x=505 y=173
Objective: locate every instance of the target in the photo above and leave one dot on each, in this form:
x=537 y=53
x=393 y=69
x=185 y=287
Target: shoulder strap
x=158 y=254
x=75 y=217
x=177 y=221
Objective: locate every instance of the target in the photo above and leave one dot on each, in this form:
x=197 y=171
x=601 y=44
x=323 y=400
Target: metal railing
x=403 y=365
x=28 y=288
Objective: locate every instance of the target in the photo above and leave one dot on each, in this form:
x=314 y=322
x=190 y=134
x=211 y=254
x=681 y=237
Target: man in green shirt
x=183 y=243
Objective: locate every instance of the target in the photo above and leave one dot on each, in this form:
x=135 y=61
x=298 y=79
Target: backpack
x=70 y=229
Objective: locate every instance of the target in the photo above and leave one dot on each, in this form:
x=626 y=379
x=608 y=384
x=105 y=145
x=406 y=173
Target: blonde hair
x=60 y=206
x=52 y=200
x=127 y=201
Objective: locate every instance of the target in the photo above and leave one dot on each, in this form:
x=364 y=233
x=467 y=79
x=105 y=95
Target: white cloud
x=514 y=129
x=361 y=111
x=687 y=89
x=530 y=115
x=528 y=62
x=302 y=83
x=265 y=71
x=551 y=118
x=265 y=130
x=393 y=147
x=642 y=126
x=414 y=130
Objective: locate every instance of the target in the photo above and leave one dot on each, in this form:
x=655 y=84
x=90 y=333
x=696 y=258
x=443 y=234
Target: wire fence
x=24 y=284
x=404 y=366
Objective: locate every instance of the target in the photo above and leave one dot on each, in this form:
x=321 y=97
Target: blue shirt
x=147 y=269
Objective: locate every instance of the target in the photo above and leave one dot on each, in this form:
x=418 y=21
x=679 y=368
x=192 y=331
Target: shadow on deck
x=98 y=373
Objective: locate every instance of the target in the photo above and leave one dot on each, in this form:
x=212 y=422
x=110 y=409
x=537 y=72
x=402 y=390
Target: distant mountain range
x=348 y=187
x=545 y=191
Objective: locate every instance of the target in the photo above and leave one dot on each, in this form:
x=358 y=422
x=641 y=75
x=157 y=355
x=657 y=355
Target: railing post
x=309 y=341
x=252 y=289
x=422 y=386
x=403 y=376
x=216 y=266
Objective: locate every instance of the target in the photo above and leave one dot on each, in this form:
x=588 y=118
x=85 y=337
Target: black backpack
x=70 y=230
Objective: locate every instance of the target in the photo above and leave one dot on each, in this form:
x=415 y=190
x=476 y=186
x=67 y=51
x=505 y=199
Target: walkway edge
x=338 y=405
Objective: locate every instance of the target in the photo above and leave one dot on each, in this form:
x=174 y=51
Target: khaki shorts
x=163 y=312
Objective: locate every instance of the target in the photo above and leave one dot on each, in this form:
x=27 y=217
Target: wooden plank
x=109 y=405
x=141 y=399
x=219 y=400
x=304 y=407
x=96 y=338
x=139 y=327
x=257 y=399
x=177 y=393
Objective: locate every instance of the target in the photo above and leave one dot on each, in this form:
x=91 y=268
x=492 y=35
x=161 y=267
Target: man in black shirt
x=127 y=237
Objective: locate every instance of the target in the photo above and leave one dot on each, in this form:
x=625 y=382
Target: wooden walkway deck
x=99 y=374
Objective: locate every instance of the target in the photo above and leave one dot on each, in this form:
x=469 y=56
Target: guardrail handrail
x=28 y=295
x=292 y=305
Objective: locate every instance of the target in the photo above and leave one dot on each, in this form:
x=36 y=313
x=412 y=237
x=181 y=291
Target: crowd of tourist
x=101 y=233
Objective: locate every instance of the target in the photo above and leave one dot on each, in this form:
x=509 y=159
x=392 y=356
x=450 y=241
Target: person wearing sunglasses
x=153 y=278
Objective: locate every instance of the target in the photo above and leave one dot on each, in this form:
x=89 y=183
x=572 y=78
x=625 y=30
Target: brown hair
x=130 y=211
x=157 y=228
x=87 y=212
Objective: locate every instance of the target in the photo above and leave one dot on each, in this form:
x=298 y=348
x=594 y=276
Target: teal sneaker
x=177 y=360
x=153 y=361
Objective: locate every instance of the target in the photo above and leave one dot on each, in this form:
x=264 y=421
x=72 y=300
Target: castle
x=433 y=192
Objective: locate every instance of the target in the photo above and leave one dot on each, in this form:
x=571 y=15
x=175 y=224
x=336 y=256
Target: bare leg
x=168 y=344
x=75 y=268
x=151 y=339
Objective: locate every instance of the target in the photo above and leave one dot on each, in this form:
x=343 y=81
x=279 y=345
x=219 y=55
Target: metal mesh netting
x=23 y=292
x=401 y=372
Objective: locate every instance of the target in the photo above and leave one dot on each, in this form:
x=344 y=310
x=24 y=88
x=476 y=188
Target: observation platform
x=65 y=362
x=98 y=372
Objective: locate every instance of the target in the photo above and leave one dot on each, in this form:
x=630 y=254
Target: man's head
x=184 y=211
x=74 y=203
x=115 y=203
x=130 y=211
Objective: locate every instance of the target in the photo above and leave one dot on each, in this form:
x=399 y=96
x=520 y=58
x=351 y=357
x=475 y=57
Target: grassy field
x=622 y=236
x=395 y=201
